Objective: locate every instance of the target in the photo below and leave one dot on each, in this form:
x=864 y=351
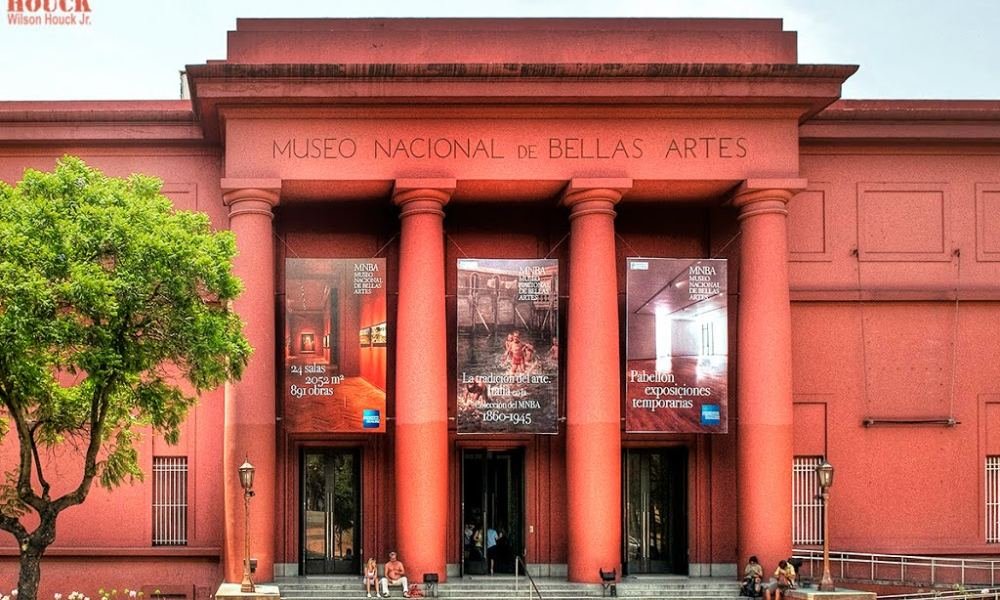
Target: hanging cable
x=285 y=244
x=553 y=249
x=864 y=341
x=627 y=245
x=954 y=335
x=460 y=250
x=386 y=245
x=727 y=244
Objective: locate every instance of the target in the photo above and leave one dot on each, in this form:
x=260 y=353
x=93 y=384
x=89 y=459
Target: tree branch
x=24 y=490
x=98 y=411
x=38 y=462
x=13 y=525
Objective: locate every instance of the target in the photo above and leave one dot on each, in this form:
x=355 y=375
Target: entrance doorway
x=331 y=511
x=656 y=538
x=492 y=510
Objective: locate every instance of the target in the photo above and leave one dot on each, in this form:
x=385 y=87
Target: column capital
x=587 y=196
x=251 y=196
x=765 y=196
x=422 y=196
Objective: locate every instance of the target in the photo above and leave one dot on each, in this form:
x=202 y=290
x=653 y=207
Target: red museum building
x=451 y=236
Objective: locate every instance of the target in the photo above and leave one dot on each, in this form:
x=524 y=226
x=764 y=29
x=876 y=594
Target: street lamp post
x=825 y=474
x=246 y=481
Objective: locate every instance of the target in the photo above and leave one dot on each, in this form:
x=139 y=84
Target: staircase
x=508 y=588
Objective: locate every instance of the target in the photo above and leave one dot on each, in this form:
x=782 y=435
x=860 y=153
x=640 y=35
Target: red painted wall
x=909 y=226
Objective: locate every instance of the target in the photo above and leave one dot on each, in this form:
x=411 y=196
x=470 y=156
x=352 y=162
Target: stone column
x=249 y=430
x=593 y=381
x=764 y=380
x=421 y=427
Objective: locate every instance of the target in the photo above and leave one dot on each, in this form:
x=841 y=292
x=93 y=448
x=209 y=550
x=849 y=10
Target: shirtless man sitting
x=395 y=574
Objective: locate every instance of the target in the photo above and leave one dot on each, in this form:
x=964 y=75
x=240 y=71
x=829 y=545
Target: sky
x=134 y=49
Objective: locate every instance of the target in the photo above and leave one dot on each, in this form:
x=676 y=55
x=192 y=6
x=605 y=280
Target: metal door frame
x=486 y=456
x=677 y=467
x=328 y=452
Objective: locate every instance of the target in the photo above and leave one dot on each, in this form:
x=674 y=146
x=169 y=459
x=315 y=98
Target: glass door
x=492 y=510
x=331 y=511
x=656 y=511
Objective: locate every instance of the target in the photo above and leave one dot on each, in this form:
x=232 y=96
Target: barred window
x=807 y=502
x=170 y=475
x=993 y=499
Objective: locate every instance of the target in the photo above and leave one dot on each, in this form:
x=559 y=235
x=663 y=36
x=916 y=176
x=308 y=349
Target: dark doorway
x=656 y=538
x=492 y=510
x=331 y=511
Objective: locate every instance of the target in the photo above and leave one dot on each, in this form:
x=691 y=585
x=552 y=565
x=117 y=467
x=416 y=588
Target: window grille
x=807 y=502
x=170 y=478
x=993 y=499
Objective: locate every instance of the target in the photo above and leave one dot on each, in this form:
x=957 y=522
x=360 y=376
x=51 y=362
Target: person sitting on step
x=783 y=579
x=395 y=574
x=371 y=576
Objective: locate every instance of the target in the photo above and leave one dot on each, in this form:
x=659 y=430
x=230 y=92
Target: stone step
x=524 y=595
x=494 y=584
x=545 y=593
x=473 y=591
x=449 y=586
x=510 y=594
x=493 y=590
x=509 y=588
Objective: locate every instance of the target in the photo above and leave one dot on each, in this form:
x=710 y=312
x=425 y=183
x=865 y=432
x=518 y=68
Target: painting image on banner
x=677 y=350
x=335 y=345
x=508 y=345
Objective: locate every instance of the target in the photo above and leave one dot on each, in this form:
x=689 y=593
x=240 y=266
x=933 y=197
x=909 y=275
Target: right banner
x=677 y=348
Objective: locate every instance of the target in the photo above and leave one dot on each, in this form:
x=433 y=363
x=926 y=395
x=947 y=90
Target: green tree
x=109 y=301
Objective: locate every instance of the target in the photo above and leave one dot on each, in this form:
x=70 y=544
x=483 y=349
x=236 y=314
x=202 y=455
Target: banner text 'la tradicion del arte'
x=507 y=345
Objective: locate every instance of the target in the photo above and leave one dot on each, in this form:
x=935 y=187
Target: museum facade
x=597 y=293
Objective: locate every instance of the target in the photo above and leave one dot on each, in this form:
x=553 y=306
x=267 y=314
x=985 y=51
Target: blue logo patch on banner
x=710 y=414
x=370 y=418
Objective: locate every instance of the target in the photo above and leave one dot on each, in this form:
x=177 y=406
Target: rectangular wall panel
x=808 y=222
x=903 y=222
x=988 y=221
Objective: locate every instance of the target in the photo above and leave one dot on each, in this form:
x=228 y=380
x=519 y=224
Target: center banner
x=677 y=350
x=508 y=345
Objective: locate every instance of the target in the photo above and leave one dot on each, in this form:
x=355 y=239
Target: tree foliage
x=109 y=302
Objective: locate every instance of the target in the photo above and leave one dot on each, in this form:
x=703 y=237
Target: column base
x=231 y=591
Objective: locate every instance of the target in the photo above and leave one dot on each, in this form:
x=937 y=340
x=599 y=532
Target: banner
x=508 y=345
x=335 y=345
x=677 y=348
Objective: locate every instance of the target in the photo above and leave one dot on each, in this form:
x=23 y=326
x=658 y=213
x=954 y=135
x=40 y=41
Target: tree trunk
x=31 y=572
x=32 y=549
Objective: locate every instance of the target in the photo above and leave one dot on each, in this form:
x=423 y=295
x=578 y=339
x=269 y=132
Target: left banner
x=508 y=345
x=335 y=345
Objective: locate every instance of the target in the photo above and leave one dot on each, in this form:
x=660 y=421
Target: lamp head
x=246 y=475
x=825 y=474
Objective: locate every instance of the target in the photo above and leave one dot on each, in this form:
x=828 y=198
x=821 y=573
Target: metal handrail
x=986 y=593
x=934 y=570
x=517 y=577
